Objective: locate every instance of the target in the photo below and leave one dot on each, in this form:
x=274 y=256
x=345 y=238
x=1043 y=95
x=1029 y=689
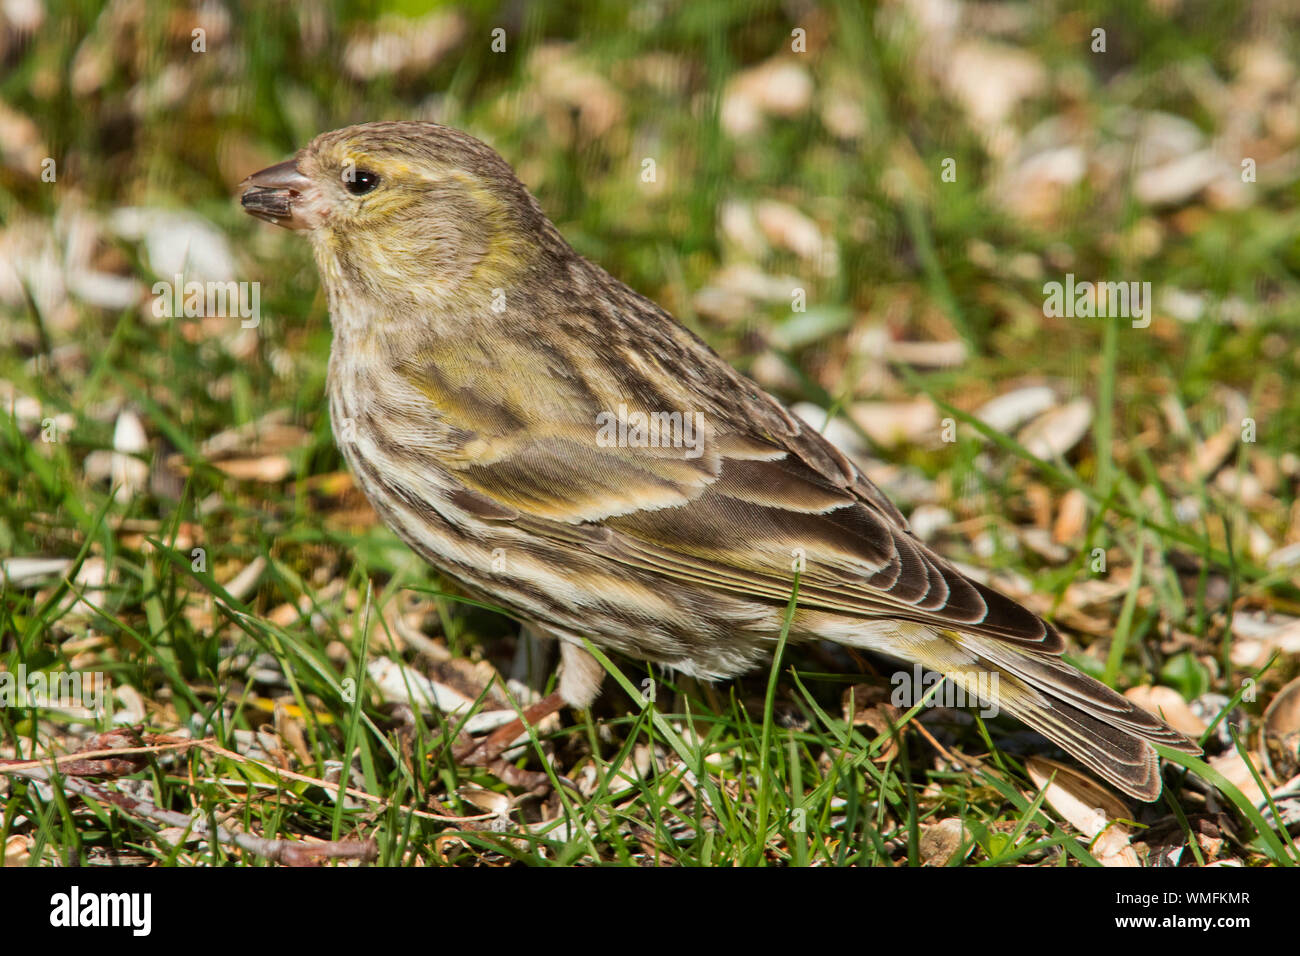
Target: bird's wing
x=759 y=495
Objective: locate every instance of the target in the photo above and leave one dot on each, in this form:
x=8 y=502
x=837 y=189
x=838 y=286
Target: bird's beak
x=276 y=194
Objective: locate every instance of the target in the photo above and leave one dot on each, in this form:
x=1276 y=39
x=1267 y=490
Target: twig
x=212 y=748
x=163 y=743
x=949 y=755
x=288 y=852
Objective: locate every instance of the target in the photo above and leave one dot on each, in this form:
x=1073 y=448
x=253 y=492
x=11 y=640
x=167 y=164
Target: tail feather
x=1102 y=729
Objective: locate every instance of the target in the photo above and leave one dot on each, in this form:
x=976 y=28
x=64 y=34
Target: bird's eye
x=361 y=182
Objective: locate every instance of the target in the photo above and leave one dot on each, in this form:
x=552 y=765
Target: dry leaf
x=788 y=228
x=489 y=801
x=242 y=584
x=1211 y=454
x=1057 y=431
x=1088 y=807
x=178 y=243
x=30 y=572
x=1007 y=412
x=398 y=683
x=1256 y=637
x=1237 y=772
x=990 y=80
x=779 y=87
x=271 y=469
x=1169 y=704
x=1039 y=540
x=570 y=90
x=1070 y=517
x=889 y=424
x=401 y=44
x=926 y=354
x=128 y=473
x=1282 y=732
x=17 y=851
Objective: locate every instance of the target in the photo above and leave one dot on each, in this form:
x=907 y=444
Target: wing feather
x=759 y=492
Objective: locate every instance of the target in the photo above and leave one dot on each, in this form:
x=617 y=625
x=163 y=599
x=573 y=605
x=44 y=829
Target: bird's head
x=397 y=211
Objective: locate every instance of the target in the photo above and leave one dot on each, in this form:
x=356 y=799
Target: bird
x=565 y=449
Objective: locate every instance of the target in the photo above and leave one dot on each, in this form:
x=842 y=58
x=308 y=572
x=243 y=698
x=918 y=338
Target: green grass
x=766 y=770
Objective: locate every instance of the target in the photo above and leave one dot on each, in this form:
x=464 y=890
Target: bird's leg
x=580 y=676
x=534 y=658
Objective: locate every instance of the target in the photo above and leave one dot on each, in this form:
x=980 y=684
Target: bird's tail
x=1100 y=728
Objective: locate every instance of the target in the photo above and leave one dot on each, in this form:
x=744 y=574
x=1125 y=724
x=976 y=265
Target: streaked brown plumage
x=474 y=356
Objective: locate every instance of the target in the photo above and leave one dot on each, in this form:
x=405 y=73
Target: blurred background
x=861 y=205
